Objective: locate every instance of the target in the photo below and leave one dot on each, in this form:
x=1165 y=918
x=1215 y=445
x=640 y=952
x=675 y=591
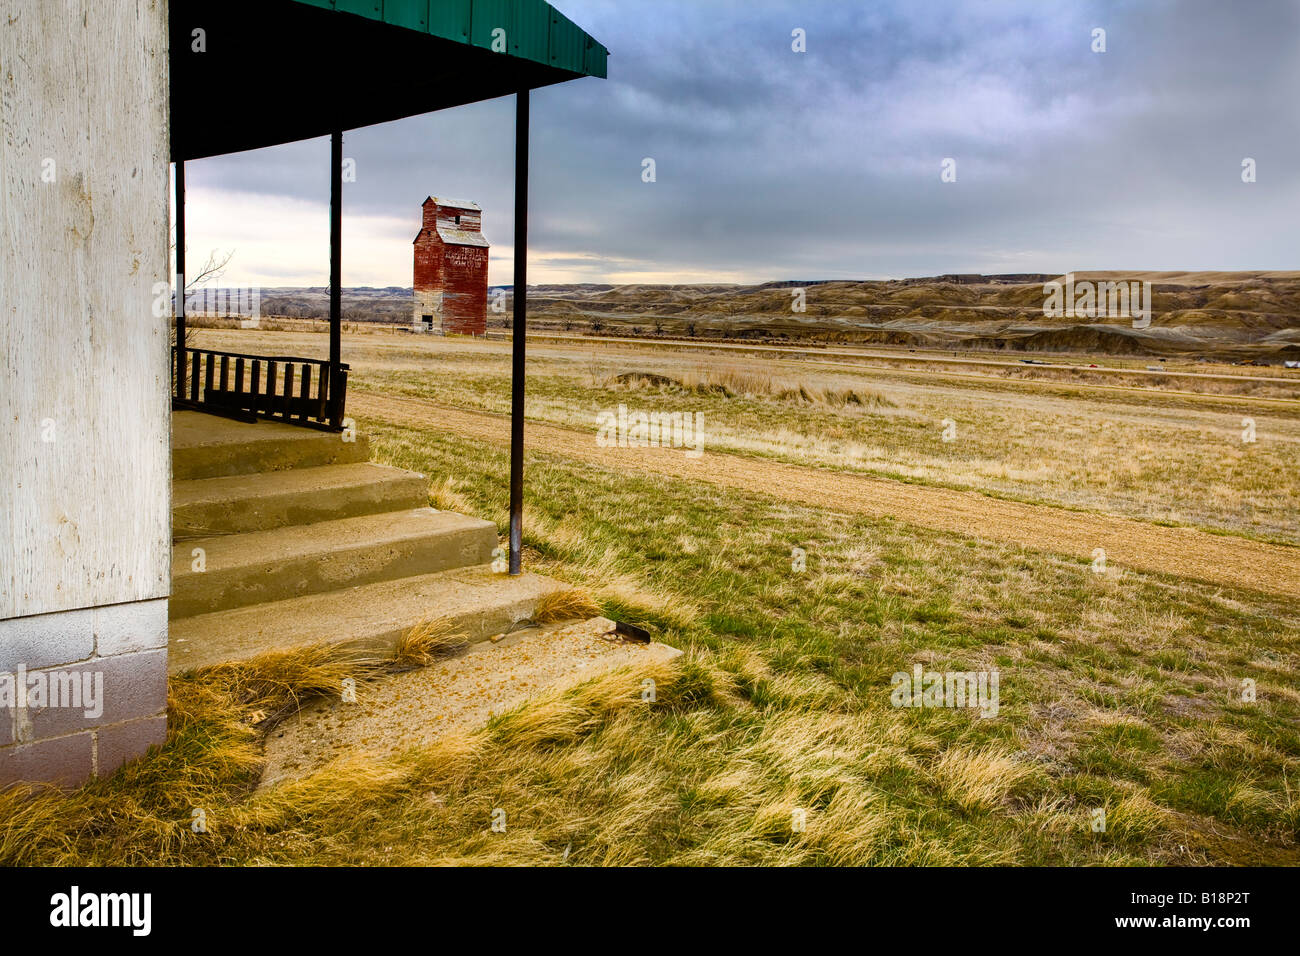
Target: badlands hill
x=1222 y=315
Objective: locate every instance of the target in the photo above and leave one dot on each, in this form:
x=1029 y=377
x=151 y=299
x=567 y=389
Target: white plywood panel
x=84 y=438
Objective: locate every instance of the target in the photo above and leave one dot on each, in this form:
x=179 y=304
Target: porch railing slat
x=270 y=386
x=255 y=387
x=287 y=397
x=304 y=391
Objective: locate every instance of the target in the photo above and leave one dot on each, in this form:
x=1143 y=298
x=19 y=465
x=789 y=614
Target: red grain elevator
x=451 y=269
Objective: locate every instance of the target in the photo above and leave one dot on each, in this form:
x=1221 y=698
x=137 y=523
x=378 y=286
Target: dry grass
x=431 y=805
x=980 y=780
x=567 y=604
x=276 y=683
x=431 y=639
x=1203 y=385
x=734 y=382
x=447 y=495
x=773 y=741
x=613 y=580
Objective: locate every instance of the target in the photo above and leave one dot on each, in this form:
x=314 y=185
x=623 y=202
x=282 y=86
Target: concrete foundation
x=81 y=692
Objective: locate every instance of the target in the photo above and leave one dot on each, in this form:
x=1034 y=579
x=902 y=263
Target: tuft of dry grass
x=447 y=496
x=613 y=577
x=431 y=639
x=1136 y=817
x=979 y=780
x=278 y=682
x=802 y=394
x=566 y=604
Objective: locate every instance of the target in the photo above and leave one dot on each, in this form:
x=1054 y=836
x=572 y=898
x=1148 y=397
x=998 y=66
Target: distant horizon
x=1264 y=273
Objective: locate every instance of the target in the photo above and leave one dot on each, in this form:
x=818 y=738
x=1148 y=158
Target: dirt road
x=1183 y=552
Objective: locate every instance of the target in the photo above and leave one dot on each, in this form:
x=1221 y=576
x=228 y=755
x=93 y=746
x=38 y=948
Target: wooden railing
x=284 y=388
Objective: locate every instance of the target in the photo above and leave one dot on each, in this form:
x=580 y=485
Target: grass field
x=1140 y=453
x=1124 y=687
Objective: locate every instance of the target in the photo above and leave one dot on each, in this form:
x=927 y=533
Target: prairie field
x=1123 y=551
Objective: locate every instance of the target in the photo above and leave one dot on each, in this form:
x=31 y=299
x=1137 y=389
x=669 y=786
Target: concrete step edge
x=211 y=574
x=267 y=500
x=208 y=446
x=368 y=619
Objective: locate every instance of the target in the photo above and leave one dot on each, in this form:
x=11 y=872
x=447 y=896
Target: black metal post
x=181 y=364
x=336 y=274
x=519 y=331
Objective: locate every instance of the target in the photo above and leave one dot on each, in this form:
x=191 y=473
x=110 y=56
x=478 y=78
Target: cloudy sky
x=775 y=164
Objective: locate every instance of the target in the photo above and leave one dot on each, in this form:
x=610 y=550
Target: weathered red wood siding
x=451 y=268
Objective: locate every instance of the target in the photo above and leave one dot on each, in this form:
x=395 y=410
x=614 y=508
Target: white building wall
x=85 y=449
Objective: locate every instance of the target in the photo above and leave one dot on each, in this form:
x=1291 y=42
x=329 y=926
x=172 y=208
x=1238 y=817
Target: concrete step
x=368 y=619
x=287 y=562
x=208 y=446
x=273 y=499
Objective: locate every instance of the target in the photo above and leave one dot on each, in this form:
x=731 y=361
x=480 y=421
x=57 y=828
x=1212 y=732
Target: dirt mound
x=644 y=379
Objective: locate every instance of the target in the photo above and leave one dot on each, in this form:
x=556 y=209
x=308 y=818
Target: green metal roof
x=275 y=71
x=534 y=29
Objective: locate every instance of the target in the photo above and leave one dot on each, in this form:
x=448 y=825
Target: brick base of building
x=81 y=692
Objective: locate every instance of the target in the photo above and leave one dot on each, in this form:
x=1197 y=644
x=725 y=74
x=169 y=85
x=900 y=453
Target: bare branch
x=211 y=270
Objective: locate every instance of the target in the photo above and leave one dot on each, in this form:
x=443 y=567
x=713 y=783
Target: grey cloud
x=775 y=164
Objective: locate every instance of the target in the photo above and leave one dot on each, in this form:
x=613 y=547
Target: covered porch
x=384 y=60
x=99 y=536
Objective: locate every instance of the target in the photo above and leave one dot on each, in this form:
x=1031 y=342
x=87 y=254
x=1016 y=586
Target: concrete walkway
x=451 y=696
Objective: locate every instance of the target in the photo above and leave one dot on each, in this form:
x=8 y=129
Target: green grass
x=1111 y=688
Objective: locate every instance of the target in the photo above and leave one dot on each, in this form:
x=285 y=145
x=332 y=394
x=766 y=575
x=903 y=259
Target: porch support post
x=181 y=364
x=519 y=331
x=336 y=276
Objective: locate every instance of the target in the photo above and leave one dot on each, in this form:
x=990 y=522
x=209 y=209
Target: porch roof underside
x=276 y=71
